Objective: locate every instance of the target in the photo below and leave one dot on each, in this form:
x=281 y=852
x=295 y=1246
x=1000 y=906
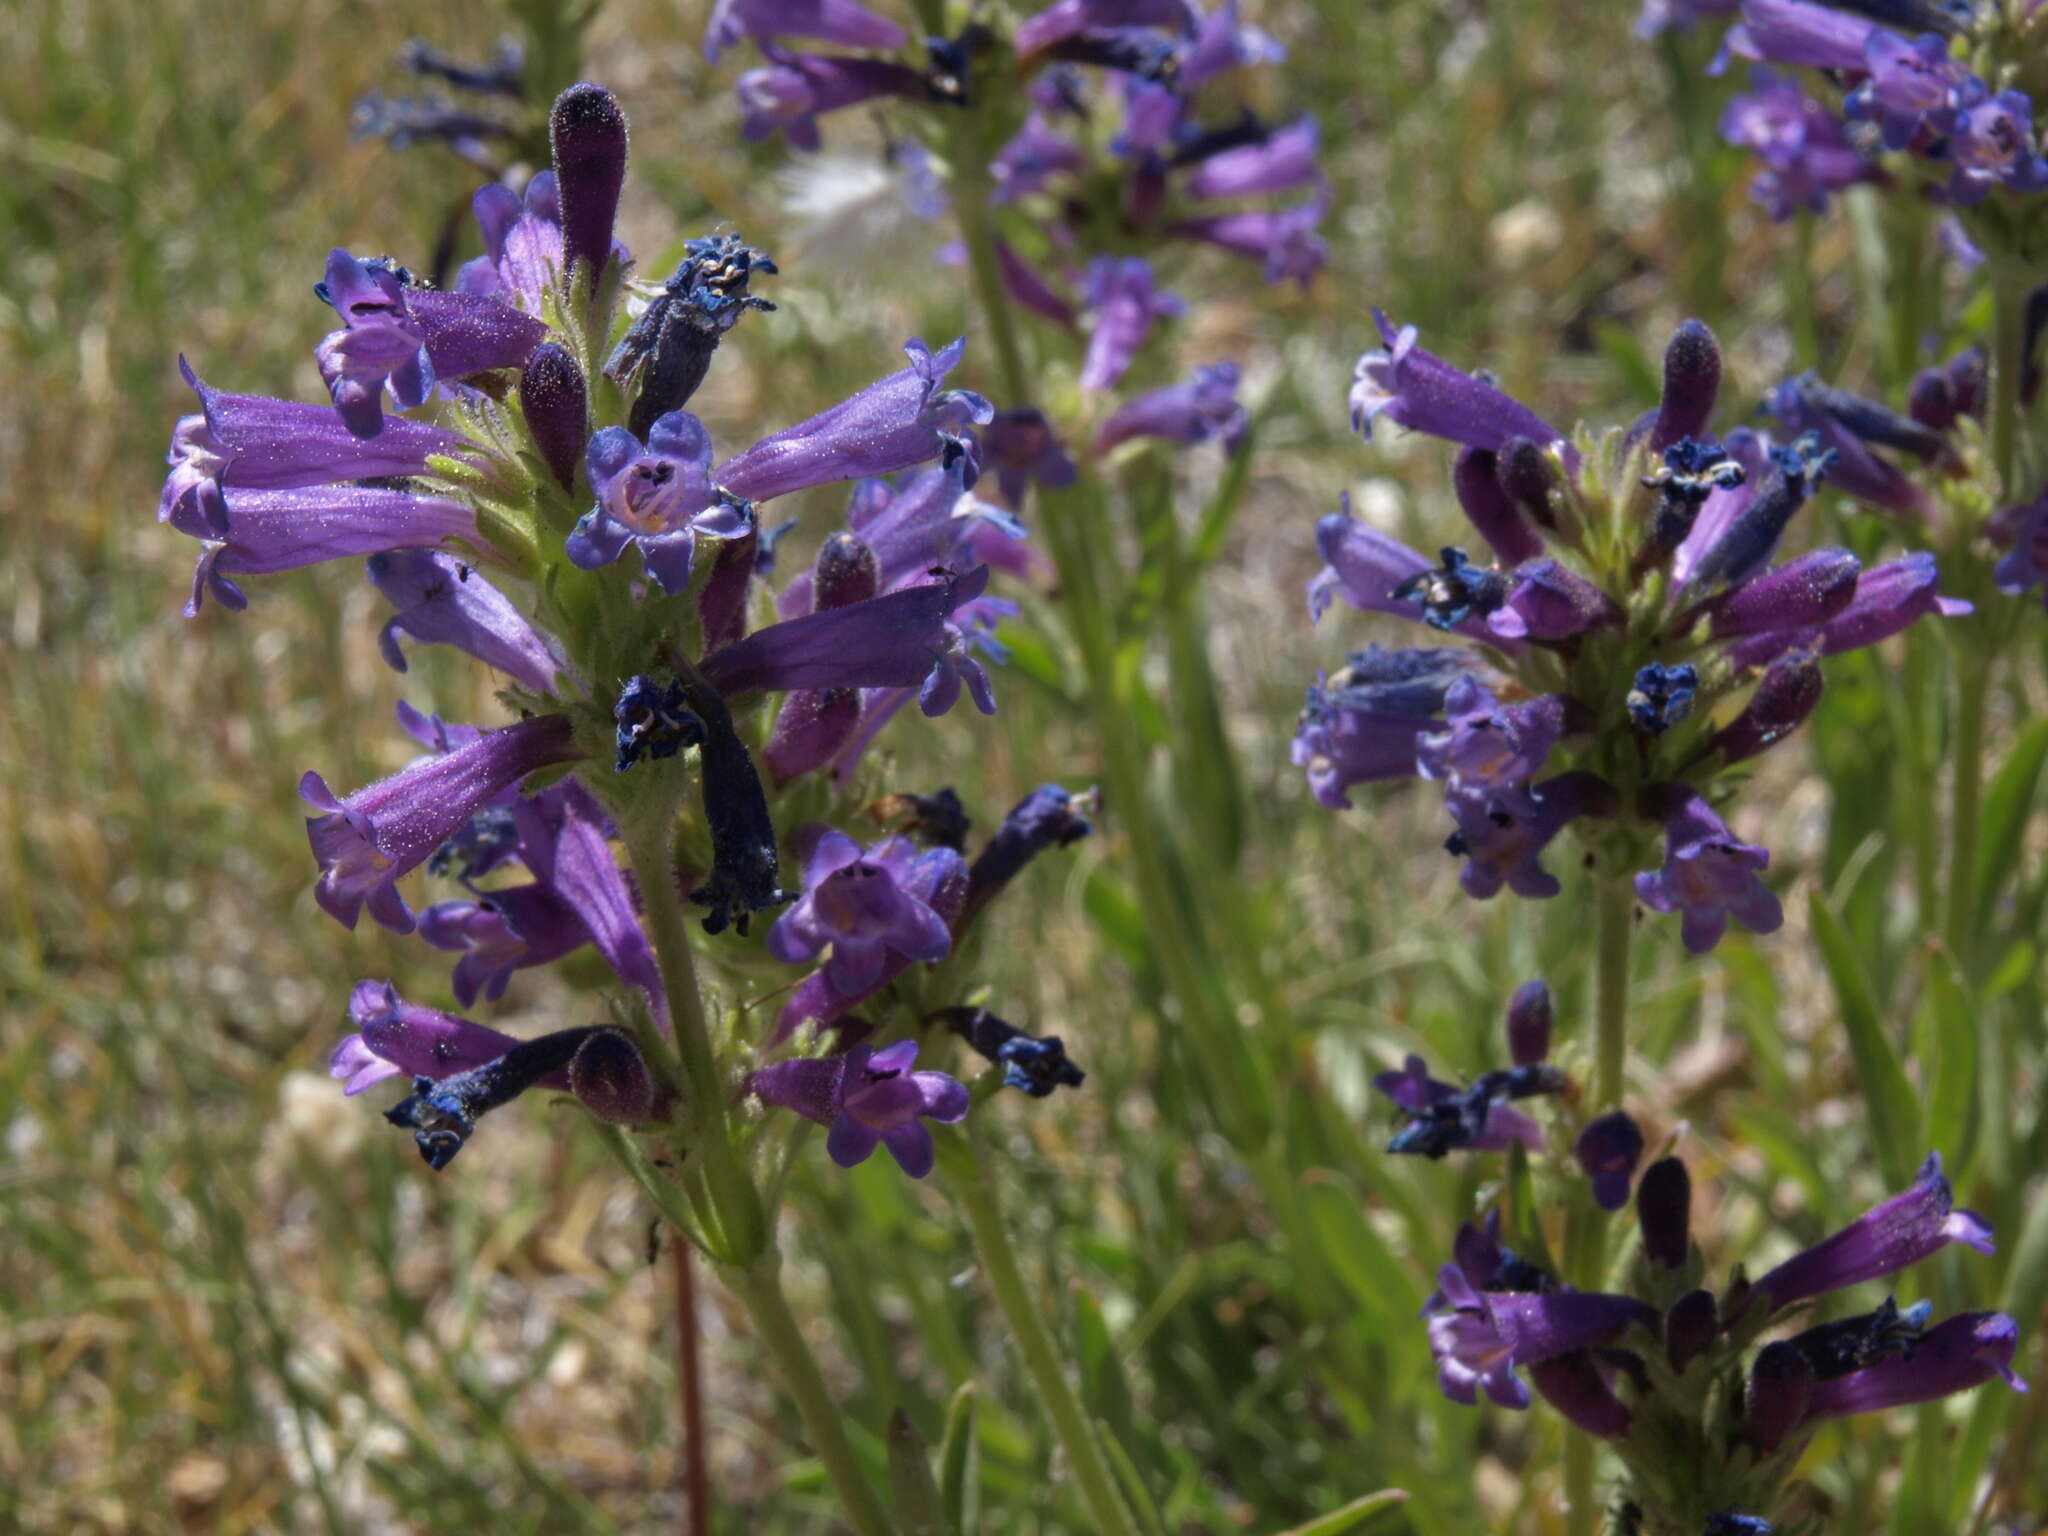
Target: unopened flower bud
x=846 y=572
x=1664 y=1208
x=1476 y=477
x=1607 y=1150
x=1692 y=378
x=587 y=133
x=1689 y=1328
x=1529 y=1023
x=557 y=410
x=1529 y=478
x=609 y=1076
x=1789 y=692
x=1780 y=1382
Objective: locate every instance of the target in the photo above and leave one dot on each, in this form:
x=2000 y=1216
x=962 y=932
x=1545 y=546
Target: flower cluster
x=1633 y=642
x=1904 y=93
x=610 y=573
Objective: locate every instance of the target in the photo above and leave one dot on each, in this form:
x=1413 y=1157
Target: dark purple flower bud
x=442 y=601
x=557 y=410
x=1661 y=695
x=1692 y=380
x=1529 y=1024
x=611 y=1078
x=1284 y=160
x=1664 y=1210
x=810 y=730
x=1124 y=304
x=1031 y=1064
x=1203 y=409
x=868 y=1098
x=1965 y=1351
x=508 y=930
x=1883 y=1240
x=394 y=1037
x=1708 y=875
x=1689 y=1328
x=854 y=903
x=937 y=877
x=253 y=443
x=368 y=842
x=1454 y=591
x=1499 y=521
x=1550 y=601
x=1801 y=33
x=1502 y=833
x=1424 y=393
x=1284 y=240
x=587 y=136
x=1574 y=1386
x=1529 y=479
x=1942 y=396
x=1774 y=1404
x=897 y=421
x=442 y=1115
x=826 y=21
x=1480 y=1338
x=1607 y=1150
x=1789 y=692
x=845 y=572
x=651 y=720
x=1067 y=18
x=665 y=354
x=722 y=600
x=655 y=498
x=1363 y=724
x=1488 y=745
x=1801 y=593
x=1745 y=542
x=1048 y=817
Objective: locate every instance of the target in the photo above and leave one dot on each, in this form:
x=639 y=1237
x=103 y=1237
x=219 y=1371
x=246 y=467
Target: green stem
x=1613 y=919
x=980 y=1201
x=2010 y=286
x=971 y=189
x=759 y=1287
x=1973 y=684
x=1581 y=1518
x=743 y=1231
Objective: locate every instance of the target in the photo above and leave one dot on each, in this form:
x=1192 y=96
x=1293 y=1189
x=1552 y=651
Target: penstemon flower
x=1633 y=641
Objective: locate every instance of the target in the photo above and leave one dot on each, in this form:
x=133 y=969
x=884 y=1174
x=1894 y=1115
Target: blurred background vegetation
x=232 y=1301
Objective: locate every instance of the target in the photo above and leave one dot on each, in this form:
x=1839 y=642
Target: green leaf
x=910 y=1480
x=1351 y=1516
x=960 y=1463
x=1102 y=1372
x=1376 y=1280
x=1894 y=1119
x=2007 y=800
x=1137 y=1497
x=1950 y=1051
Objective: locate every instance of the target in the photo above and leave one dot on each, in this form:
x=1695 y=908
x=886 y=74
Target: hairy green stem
x=1581 y=1516
x=759 y=1287
x=1613 y=920
x=1077 y=1436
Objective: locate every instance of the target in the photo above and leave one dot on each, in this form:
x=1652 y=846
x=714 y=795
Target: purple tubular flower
x=1708 y=875
x=1789 y=691
x=1802 y=593
x=1844 y=427
x=1780 y=1386
x=2022 y=531
x=1045 y=818
x=892 y=641
x=507 y=930
x=253 y=443
x=1364 y=724
x=1888 y=598
x=1993 y=145
x=1420 y=391
x=271 y=531
x=1912 y=86
x=1032 y=158
x=1487 y=745
x=1284 y=240
x=1882 y=1241
x=394 y=1036
x=1475 y=477
x=1481 y=1337
x=868 y=1098
x=1443 y=1119
x=897 y=421
x=522 y=243
x=1725 y=504
x=1574 y=1385
x=811 y=729
x=1502 y=833
x=1029 y=287
x=1222 y=42
x=1069 y=18
x=854 y=902
x=1283 y=161
x=1202 y=409
x=1125 y=304
x=557 y=409
x=442 y=601
x=442 y=1115
x=1745 y=535
x=657 y=499
x=1942 y=396
x=1804 y=147
x=1365 y=567
x=792 y=90
x=936 y=878
x=1801 y=33
x=1607 y=1151
x=587 y=135
x=464 y=334
x=1529 y=1023
x=1551 y=601
x=366 y=843
x=1692 y=380
x=565 y=841
x=1965 y=1351
x=825 y=21
x=1022 y=448
x=1664 y=1211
